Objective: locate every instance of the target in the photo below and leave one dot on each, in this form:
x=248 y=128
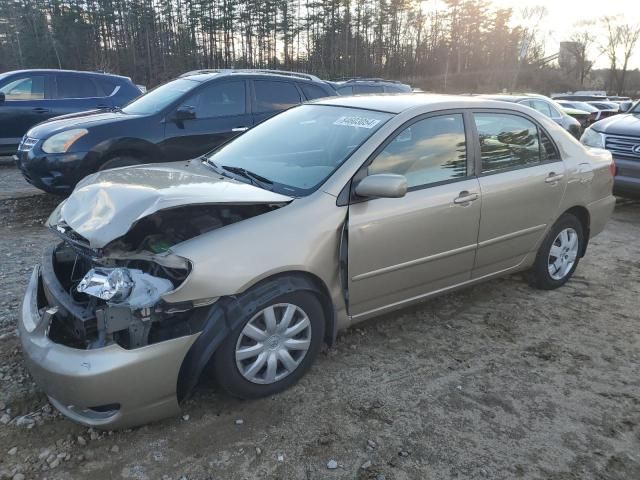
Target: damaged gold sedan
x=245 y=261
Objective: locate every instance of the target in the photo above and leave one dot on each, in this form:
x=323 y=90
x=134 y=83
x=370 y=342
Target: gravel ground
x=497 y=381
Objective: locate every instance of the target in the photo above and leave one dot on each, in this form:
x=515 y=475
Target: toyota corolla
x=244 y=262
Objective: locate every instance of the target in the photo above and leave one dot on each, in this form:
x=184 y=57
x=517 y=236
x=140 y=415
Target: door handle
x=240 y=129
x=465 y=197
x=554 y=177
x=41 y=110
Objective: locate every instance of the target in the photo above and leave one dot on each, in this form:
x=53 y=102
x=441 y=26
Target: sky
x=565 y=16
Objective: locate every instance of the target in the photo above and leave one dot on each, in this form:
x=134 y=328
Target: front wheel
x=273 y=348
x=559 y=254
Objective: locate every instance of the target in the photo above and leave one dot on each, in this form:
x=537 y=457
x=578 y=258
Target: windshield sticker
x=359 y=122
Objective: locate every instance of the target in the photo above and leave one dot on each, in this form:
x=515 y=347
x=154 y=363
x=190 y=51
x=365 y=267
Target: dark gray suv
x=620 y=135
x=28 y=97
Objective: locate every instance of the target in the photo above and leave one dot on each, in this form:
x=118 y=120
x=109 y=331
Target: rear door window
x=312 y=91
x=506 y=141
x=76 y=86
x=368 y=89
x=275 y=95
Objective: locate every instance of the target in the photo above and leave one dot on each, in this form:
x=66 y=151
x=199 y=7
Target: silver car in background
x=245 y=261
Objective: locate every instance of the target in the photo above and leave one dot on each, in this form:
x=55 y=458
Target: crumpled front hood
x=105 y=205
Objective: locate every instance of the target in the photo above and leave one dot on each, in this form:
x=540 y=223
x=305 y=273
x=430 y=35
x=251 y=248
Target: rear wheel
x=559 y=254
x=119 y=161
x=273 y=348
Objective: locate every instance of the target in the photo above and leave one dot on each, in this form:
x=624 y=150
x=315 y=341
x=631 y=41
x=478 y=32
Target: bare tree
x=610 y=47
x=629 y=36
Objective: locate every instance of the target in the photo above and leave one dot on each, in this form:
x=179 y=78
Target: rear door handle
x=240 y=129
x=41 y=110
x=465 y=197
x=554 y=177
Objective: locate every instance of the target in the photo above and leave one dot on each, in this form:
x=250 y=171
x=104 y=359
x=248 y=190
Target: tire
x=558 y=255
x=241 y=377
x=119 y=161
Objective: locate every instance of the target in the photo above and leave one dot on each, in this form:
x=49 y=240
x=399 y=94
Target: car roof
x=398 y=102
x=505 y=97
x=58 y=70
x=206 y=74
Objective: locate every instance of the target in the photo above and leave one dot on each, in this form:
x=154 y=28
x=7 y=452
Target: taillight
x=612 y=167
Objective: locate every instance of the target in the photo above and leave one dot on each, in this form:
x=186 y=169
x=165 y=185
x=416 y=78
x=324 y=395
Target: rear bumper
x=600 y=212
x=108 y=387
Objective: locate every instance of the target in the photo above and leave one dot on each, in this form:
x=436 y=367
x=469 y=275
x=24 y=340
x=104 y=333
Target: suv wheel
x=559 y=254
x=273 y=348
x=119 y=161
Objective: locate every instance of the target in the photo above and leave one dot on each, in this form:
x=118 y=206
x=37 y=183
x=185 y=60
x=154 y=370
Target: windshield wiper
x=256 y=179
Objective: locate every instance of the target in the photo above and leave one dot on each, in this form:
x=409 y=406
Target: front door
x=401 y=249
x=220 y=113
x=522 y=180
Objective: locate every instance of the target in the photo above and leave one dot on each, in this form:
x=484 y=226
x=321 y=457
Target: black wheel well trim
x=583 y=216
x=224 y=316
x=138 y=154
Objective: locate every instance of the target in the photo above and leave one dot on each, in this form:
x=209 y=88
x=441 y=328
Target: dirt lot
x=498 y=381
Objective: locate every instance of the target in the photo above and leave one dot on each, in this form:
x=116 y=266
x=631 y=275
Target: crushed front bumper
x=109 y=387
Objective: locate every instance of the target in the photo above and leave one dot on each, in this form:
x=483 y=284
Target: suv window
x=274 y=95
x=76 y=86
x=368 y=89
x=506 y=141
x=312 y=91
x=428 y=151
x=108 y=86
x=25 y=88
x=346 y=90
x=219 y=100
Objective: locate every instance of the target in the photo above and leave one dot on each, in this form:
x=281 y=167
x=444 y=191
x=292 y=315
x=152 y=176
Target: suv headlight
x=60 y=142
x=591 y=138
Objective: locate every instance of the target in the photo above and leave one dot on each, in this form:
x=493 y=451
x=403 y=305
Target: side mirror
x=382 y=185
x=2 y=97
x=185 y=112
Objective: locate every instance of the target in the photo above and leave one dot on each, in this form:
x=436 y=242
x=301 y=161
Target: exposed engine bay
x=114 y=293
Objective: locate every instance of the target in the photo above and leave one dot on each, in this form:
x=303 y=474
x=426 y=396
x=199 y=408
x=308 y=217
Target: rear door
x=273 y=96
x=221 y=113
x=400 y=249
x=522 y=180
x=75 y=92
x=25 y=105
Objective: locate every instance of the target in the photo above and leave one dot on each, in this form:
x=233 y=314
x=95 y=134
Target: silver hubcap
x=273 y=343
x=563 y=253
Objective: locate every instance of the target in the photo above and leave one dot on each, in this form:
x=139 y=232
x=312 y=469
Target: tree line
x=462 y=44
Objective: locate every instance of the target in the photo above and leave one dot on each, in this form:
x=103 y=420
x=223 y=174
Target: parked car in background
x=250 y=258
x=607 y=109
x=580 y=97
x=28 y=97
x=179 y=120
x=620 y=135
x=357 y=86
x=594 y=113
x=547 y=107
x=583 y=116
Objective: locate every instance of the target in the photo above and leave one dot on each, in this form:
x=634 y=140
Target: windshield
x=160 y=97
x=299 y=149
x=635 y=109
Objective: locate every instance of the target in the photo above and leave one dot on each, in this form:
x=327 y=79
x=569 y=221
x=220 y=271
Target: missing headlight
x=124 y=286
